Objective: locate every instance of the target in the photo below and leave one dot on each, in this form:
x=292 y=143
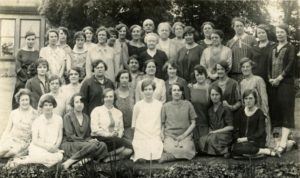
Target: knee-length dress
x=176 y=119
x=76 y=142
x=147 y=143
x=19 y=137
x=217 y=143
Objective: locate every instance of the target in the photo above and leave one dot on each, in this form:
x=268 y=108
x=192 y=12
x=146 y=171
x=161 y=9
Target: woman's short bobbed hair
x=148 y=82
x=248 y=92
x=190 y=30
x=47 y=98
x=73 y=99
x=21 y=92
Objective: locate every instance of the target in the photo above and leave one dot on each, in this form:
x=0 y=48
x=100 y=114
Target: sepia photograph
x=149 y=88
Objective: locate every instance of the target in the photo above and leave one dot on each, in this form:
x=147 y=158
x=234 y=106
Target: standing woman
x=165 y=43
x=47 y=133
x=89 y=33
x=125 y=101
x=134 y=69
x=63 y=37
x=77 y=142
x=25 y=60
x=206 y=28
x=152 y=52
x=281 y=81
x=215 y=53
x=178 y=121
x=146 y=122
x=241 y=45
x=103 y=52
x=121 y=48
x=160 y=89
x=200 y=100
x=261 y=51
x=219 y=138
x=136 y=45
x=178 y=29
x=17 y=135
x=172 y=70
x=56 y=57
x=189 y=56
x=231 y=96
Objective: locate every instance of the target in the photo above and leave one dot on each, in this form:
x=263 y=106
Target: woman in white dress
x=17 y=135
x=146 y=121
x=46 y=136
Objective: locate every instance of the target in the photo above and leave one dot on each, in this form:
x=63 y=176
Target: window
x=7 y=36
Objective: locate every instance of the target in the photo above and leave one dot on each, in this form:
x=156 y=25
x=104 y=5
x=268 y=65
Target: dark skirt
x=216 y=144
x=113 y=143
x=282 y=105
x=249 y=147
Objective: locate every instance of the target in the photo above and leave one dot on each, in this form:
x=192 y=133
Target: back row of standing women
x=244 y=63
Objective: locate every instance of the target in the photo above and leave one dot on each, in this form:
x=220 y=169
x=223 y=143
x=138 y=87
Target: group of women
x=151 y=97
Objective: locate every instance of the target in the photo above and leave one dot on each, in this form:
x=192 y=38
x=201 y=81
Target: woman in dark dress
x=77 y=142
x=189 y=56
x=136 y=45
x=281 y=90
x=249 y=128
x=25 y=69
x=220 y=120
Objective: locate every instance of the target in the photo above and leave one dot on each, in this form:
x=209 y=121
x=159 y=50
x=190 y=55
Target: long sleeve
x=97 y=124
x=88 y=65
x=186 y=90
x=18 y=63
x=203 y=58
x=291 y=59
x=84 y=91
x=229 y=57
x=262 y=91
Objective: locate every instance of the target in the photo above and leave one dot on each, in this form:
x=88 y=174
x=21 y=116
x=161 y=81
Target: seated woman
x=46 y=136
x=146 y=121
x=219 y=138
x=178 y=121
x=17 y=135
x=249 y=128
x=77 y=142
x=107 y=126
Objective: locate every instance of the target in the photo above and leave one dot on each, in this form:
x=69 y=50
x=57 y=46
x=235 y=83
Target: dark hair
x=190 y=30
x=173 y=64
x=223 y=64
x=207 y=23
x=148 y=82
x=112 y=31
x=55 y=77
x=21 y=92
x=123 y=72
x=180 y=87
x=43 y=62
x=50 y=31
x=88 y=28
x=79 y=34
x=120 y=26
x=102 y=28
x=200 y=69
x=147 y=62
x=133 y=57
x=47 y=98
x=266 y=28
x=97 y=62
x=248 y=92
x=245 y=60
x=65 y=30
x=217 y=89
x=73 y=98
x=284 y=26
x=30 y=33
x=219 y=33
x=237 y=19
x=77 y=69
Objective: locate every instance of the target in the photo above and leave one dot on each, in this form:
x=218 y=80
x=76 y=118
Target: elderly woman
x=17 y=135
x=241 y=45
x=146 y=121
x=160 y=89
x=165 y=43
x=56 y=57
x=39 y=84
x=136 y=45
x=219 y=138
x=172 y=70
x=92 y=88
x=178 y=121
x=103 y=52
x=249 y=128
x=121 y=48
x=152 y=52
x=25 y=59
x=77 y=142
x=79 y=54
x=215 y=53
x=231 y=96
x=125 y=101
x=47 y=131
x=107 y=126
x=206 y=28
x=177 y=29
x=262 y=50
x=281 y=90
x=189 y=56
x=89 y=33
